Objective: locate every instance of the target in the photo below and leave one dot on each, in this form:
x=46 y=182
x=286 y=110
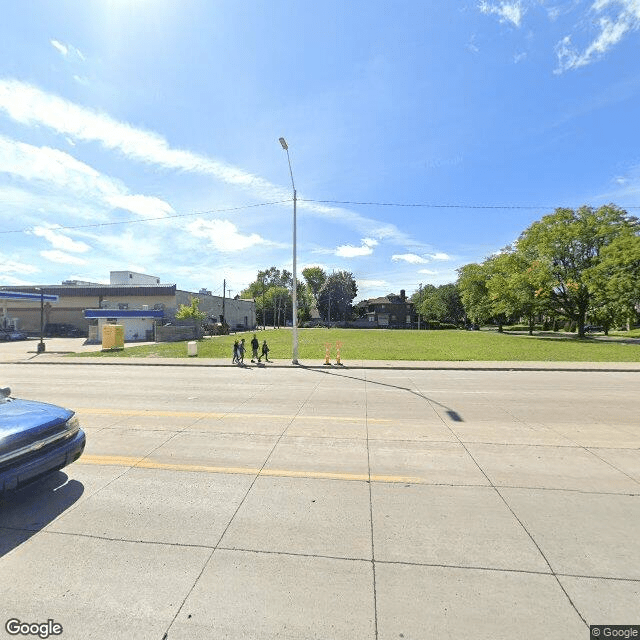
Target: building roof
x=83 y=291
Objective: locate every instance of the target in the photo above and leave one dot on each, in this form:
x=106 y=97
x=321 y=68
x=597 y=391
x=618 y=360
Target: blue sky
x=143 y=134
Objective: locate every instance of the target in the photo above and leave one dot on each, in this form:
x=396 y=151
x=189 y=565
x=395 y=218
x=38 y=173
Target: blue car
x=35 y=439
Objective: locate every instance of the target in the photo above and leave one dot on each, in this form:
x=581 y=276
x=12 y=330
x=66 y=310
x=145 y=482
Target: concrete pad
x=192 y=508
x=323 y=455
x=600 y=435
x=474 y=413
x=458 y=526
x=626 y=460
x=433 y=602
x=582 y=534
x=99 y=589
x=216 y=450
x=549 y=468
x=134 y=443
x=604 y=601
x=417 y=430
x=258 y=596
x=157 y=421
x=41 y=502
x=328 y=427
x=306 y=516
x=431 y=462
x=262 y=425
x=508 y=433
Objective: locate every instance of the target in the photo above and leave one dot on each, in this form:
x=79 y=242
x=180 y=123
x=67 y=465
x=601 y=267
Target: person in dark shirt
x=254 y=349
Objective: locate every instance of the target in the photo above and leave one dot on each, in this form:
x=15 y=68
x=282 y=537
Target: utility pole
x=263 y=309
x=419 y=305
x=224 y=286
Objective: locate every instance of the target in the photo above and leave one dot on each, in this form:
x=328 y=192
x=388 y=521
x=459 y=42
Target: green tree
x=191 y=311
x=567 y=244
x=615 y=280
x=472 y=285
x=336 y=296
x=315 y=278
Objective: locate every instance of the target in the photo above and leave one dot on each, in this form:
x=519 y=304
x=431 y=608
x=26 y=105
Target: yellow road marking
x=217 y=416
x=142 y=463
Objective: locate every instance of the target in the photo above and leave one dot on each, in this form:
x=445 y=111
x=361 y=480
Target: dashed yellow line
x=215 y=415
x=143 y=463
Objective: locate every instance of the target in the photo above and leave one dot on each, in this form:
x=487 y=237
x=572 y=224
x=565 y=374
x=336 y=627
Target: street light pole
x=41 y=347
x=294 y=297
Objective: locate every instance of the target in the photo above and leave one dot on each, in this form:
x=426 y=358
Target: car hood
x=23 y=422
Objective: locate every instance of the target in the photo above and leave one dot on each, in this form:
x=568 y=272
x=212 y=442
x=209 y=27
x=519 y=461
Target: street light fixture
x=41 y=346
x=294 y=300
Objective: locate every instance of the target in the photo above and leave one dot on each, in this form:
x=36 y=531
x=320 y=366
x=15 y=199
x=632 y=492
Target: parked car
x=62 y=330
x=590 y=328
x=35 y=439
x=10 y=335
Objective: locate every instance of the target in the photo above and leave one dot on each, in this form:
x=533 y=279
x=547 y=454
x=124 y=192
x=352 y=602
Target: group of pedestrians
x=239 y=349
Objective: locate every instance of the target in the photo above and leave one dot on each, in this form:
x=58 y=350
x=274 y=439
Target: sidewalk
x=57 y=350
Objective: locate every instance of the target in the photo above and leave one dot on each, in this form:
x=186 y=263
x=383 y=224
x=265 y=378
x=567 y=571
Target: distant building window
x=131 y=275
x=408 y=319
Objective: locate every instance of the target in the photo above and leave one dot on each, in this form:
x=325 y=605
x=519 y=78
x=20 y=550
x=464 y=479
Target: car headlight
x=72 y=424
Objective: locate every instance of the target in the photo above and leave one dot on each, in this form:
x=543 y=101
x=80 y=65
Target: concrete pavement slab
x=328 y=427
x=216 y=450
x=258 y=596
x=509 y=433
x=136 y=443
x=582 y=534
x=626 y=460
x=604 y=601
x=548 y=467
x=324 y=455
x=418 y=430
x=457 y=526
x=431 y=462
x=266 y=425
x=304 y=516
x=190 y=508
x=599 y=435
x=416 y=603
x=99 y=589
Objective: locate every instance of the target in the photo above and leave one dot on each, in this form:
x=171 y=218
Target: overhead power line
x=427 y=205
x=137 y=220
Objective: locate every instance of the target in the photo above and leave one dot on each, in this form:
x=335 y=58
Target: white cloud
x=411 y=258
x=507 y=11
x=428 y=272
x=61 y=257
x=59 y=240
x=615 y=19
x=67 y=50
x=9 y=265
x=349 y=251
x=30 y=106
x=224 y=235
x=439 y=256
x=45 y=165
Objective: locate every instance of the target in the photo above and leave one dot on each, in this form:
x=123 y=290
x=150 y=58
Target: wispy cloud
x=67 y=50
x=61 y=257
x=506 y=11
x=59 y=240
x=411 y=258
x=224 y=235
x=349 y=251
x=51 y=167
x=10 y=265
x=33 y=107
x=615 y=19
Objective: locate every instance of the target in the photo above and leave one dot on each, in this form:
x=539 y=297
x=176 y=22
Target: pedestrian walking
x=241 y=350
x=236 y=347
x=254 y=348
x=265 y=352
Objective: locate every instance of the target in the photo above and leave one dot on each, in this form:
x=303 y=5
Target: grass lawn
x=377 y=344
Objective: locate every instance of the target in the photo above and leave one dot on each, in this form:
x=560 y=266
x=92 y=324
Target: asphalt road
x=320 y=503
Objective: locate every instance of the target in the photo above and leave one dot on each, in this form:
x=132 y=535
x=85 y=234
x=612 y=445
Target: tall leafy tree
x=567 y=243
x=315 y=278
x=337 y=295
x=472 y=285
